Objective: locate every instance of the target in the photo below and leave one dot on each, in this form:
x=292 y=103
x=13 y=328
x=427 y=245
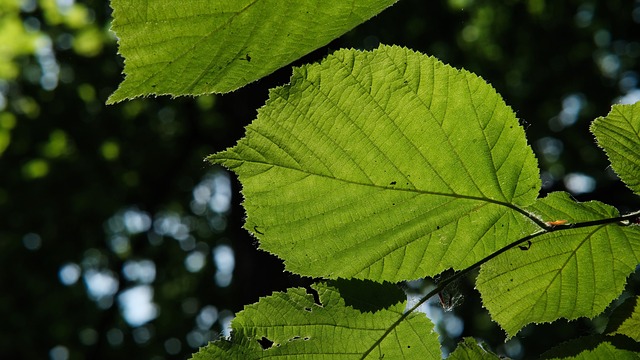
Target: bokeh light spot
x=136 y=305
x=172 y=346
x=143 y=271
x=115 y=337
x=578 y=183
x=88 y=336
x=32 y=241
x=207 y=317
x=59 y=353
x=195 y=261
x=142 y=335
x=224 y=259
x=69 y=274
x=100 y=284
x=36 y=168
x=110 y=150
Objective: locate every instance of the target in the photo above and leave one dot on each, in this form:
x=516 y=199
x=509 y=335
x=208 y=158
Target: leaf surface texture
x=469 y=349
x=293 y=325
x=199 y=47
x=564 y=274
x=619 y=135
x=384 y=165
x=629 y=319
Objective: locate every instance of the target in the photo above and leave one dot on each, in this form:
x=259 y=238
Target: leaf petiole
x=624 y=220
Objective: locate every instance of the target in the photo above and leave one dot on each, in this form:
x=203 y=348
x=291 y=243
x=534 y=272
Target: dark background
x=117 y=197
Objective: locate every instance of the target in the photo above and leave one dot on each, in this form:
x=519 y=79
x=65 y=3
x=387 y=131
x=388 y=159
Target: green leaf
x=568 y=273
x=384 y=165
x=292 y=325
x=200 y=47
x=469 y=349
x=625 y=320
x=619 y=135
x=607 y=351
x=595 y=347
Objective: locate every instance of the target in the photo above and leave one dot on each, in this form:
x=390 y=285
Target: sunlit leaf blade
x=629 y=324
x=469 y=349
x=563 y=274
x=199 y=47
x=384 y=165
x=292 y=325
x=619 y=135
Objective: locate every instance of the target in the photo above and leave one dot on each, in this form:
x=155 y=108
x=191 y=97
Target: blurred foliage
x=119 y=198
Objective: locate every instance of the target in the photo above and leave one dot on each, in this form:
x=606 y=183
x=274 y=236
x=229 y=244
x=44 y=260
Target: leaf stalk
x=625 y=220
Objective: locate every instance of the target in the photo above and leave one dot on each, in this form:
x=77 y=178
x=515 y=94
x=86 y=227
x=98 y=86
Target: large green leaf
x=341 y=326
x=384 y=165
x=619 y=135
x=567 y=273
x=197 y=47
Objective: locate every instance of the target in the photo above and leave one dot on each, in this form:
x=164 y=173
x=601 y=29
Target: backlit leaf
x=607 y=351
x=629 y=323
x=469 y=349
x=564 y=274
x=198 y=47
x=293 y=325
x=596 y=347
x=384 y=165
x=618 y=134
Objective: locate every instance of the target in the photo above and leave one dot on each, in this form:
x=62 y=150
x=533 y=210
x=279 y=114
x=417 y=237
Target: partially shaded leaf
x=564 y=274
x=595 y=347
x=384 y=165
x=618 y=134
x=469 y=349
x=292 y=324
x=625 y=320
x=200 y=47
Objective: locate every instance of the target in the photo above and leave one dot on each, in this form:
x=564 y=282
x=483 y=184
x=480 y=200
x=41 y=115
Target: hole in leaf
x=316 y=297
x=525 y=247
x=306 y=338
x=295 y=338
x=392 y=183
x=265 y=343
x=307 y=309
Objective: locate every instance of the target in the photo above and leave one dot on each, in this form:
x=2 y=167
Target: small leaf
x=568 y=273
x=384 y=165
x=619 y=135
x=200 y=47
x=292 y=324
x=627 y=319
x=469 y=349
